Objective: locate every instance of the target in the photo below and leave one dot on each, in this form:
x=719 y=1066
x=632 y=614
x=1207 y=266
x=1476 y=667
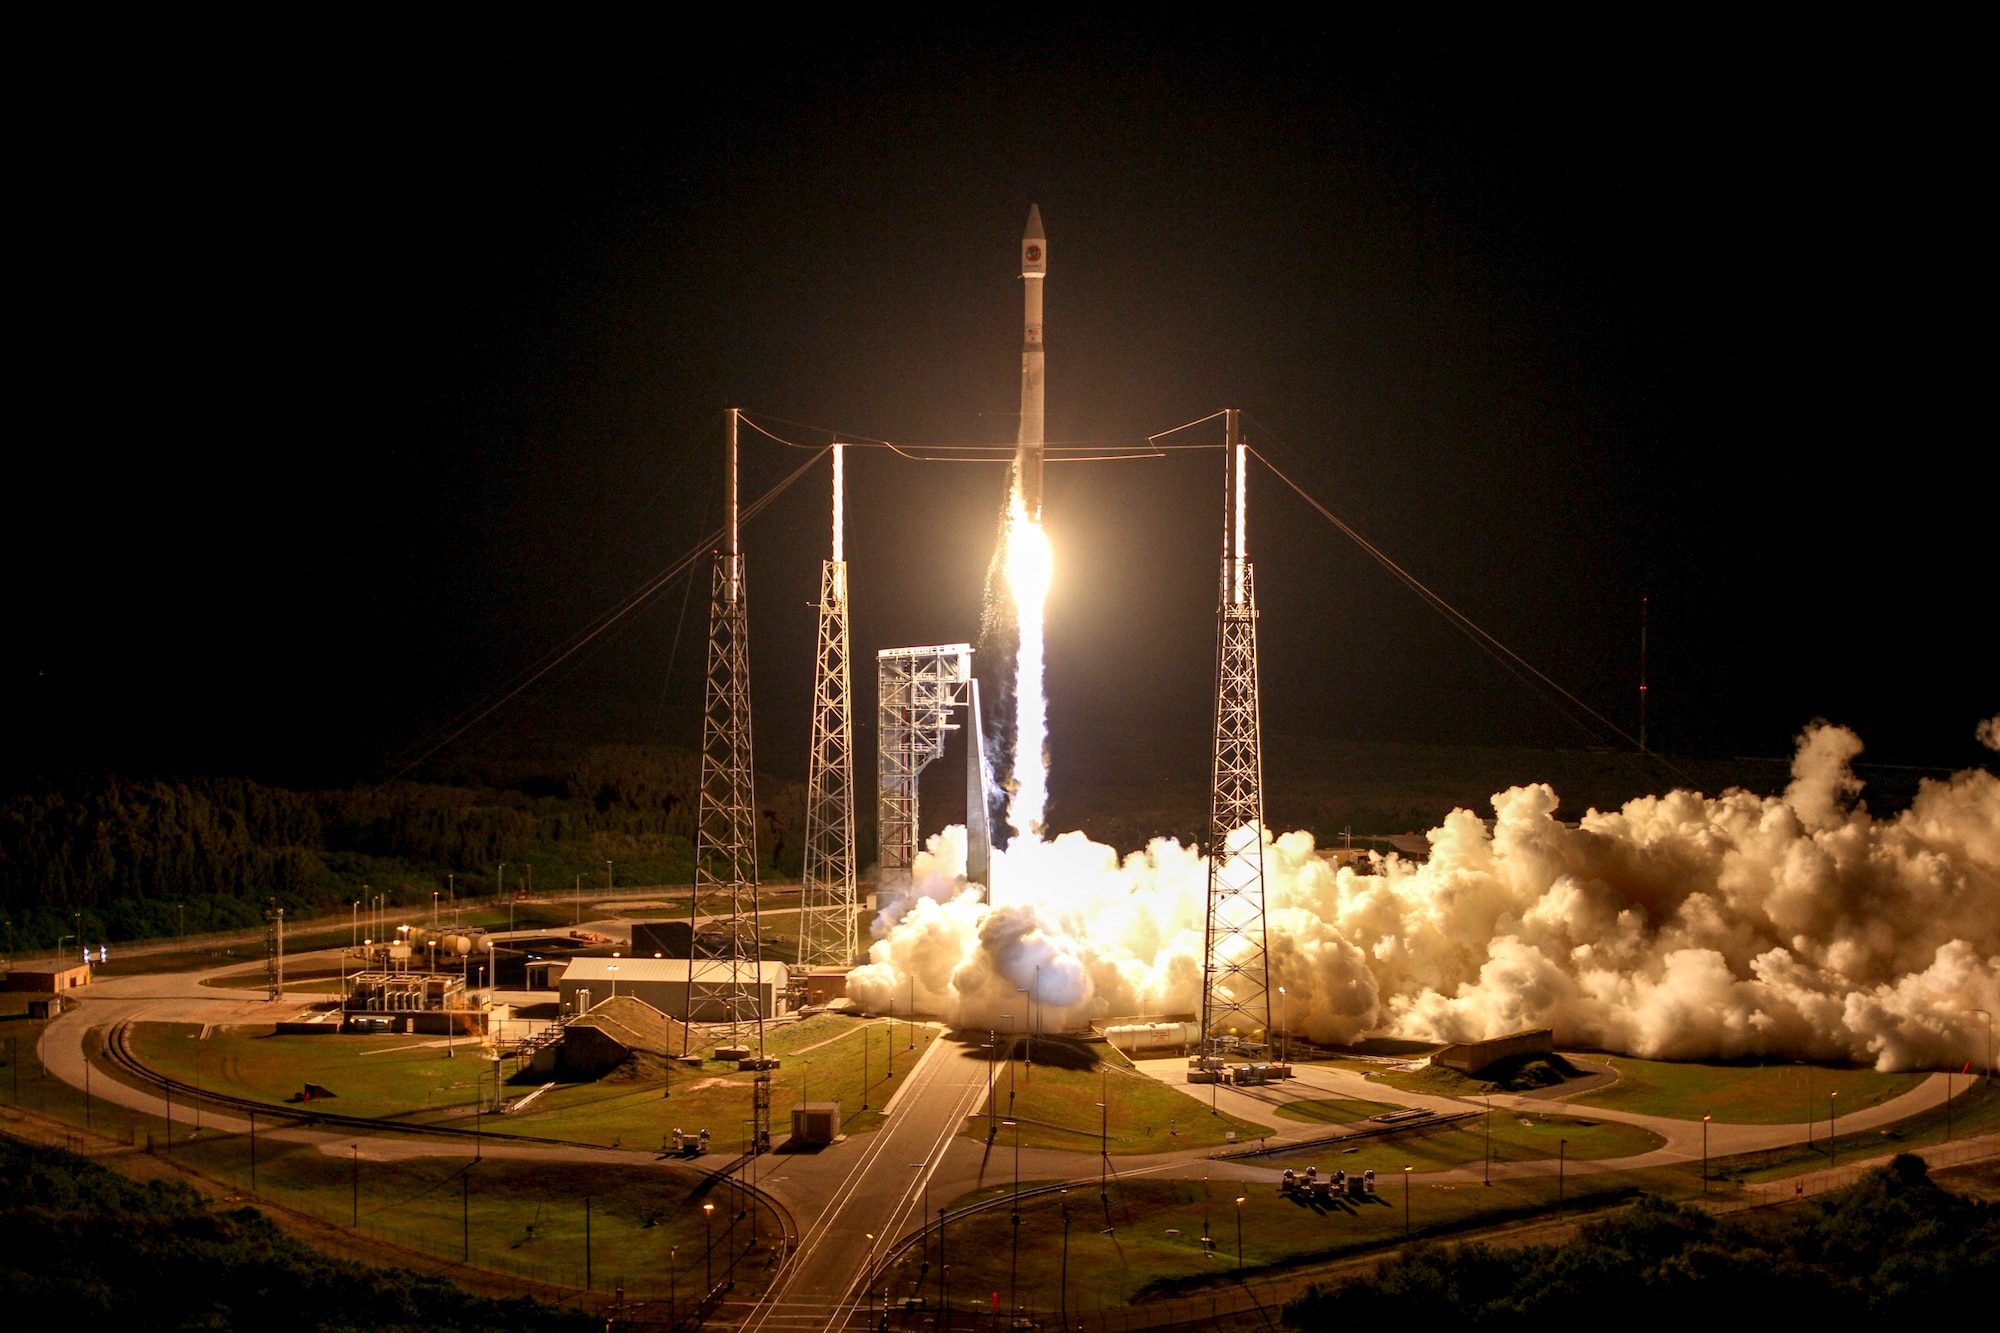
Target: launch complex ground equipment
x=919 y=687
x=827 y=906
x=1235 y=999
x=725 y=865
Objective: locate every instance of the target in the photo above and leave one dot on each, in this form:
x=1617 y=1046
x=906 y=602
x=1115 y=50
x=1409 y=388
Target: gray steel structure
x=827 y=904
x=1236 y=1001
x=918 y=688
x=725 y=849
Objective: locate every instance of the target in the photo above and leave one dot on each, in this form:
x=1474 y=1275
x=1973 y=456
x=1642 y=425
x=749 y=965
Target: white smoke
x=1680 y=926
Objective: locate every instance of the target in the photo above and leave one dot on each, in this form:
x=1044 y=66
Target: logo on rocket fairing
x=1033 y=253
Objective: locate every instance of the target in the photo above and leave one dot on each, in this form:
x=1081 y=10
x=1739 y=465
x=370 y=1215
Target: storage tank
x=1131 y=1038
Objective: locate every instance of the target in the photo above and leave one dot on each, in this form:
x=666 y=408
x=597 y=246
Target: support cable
x=1522 y=669
x=631 y=602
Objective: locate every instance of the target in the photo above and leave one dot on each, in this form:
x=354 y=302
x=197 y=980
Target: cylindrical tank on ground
x=1134 y=1037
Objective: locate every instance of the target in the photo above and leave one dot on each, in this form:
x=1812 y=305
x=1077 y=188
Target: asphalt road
x=856 y=1201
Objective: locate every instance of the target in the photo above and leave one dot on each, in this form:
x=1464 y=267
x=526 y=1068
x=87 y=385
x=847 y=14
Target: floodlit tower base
x=826 y=930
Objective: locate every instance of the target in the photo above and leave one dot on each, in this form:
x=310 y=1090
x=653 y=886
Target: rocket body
x=1028 y=450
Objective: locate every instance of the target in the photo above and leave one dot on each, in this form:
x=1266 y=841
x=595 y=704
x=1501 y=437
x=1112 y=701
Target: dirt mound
x=637 y=1026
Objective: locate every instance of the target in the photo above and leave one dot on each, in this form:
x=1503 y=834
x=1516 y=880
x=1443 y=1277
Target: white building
x=690 y=989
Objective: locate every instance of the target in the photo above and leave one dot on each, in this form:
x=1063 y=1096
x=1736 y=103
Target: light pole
x=1562 y=1152
x=1104 y=1148
x=864 y=1066
x=1489 y=1138
x=1406 y=1201
x=1010 y=1060
x=1284 y=1033
x=708 y=1259
x=1989 y=1040
x=925 y=1256
x=1064 y=1205
x=1833 y=1128
x=1239 y=1234
x=354 y=1183
x=1014 y=1261
x=1704 y=1154
x=913 y=1011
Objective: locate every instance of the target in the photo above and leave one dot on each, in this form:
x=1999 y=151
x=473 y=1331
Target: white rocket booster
x=1028 y=451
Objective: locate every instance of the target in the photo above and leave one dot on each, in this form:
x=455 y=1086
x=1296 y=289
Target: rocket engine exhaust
x=1027 y=558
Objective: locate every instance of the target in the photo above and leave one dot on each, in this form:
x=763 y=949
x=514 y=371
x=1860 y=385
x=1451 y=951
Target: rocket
x=1028 y=451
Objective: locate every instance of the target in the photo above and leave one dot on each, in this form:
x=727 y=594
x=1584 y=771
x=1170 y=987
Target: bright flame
x=1029 y=567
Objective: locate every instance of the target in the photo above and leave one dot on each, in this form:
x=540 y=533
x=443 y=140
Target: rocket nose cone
x=1034 y=231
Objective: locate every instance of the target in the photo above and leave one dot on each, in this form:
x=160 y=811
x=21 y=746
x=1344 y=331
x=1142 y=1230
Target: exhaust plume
x=1680 y=926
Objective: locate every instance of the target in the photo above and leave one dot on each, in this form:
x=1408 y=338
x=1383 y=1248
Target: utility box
x=816 y=1122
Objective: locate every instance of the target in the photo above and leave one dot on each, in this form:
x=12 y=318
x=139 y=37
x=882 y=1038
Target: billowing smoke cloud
x=1680 y=926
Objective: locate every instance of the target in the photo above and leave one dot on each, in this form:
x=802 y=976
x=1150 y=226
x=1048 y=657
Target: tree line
x=82 y=1247
x=121 y=859
x=1895 y=1244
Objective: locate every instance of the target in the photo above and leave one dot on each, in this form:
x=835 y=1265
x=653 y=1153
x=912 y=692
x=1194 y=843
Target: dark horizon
x=406 y=373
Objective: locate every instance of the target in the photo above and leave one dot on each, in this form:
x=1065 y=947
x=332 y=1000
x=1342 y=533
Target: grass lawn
x=1057 y=1107
x=523 y=1217
x=1974 y=1110
x=1516 y=1138
x=1146 y=1239
x=1332 y=1110
x=1433 y=1079
x=411 y=1078
x=1737 y=1094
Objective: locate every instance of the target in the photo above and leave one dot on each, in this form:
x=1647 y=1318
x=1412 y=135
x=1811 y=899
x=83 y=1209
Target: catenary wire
x=631 y=602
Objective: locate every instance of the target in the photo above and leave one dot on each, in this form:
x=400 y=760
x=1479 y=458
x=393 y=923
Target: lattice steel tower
x=1235 y=1001
x=826 y=932
x=726 y=968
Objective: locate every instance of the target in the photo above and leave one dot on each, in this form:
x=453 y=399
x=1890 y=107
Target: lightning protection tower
x=726 y=970
x=826 y=934
x=1235 y=1000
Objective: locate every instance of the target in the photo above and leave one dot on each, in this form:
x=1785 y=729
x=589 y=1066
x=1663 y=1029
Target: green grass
x=523 y=1217
x=1516 y=1137
x=1435 y=1080
x=1737 y=1094
x=1155 y=1226
x=410 y=1078
x=1332 y=1110
x=1974 y=1110
x=1058 y=1108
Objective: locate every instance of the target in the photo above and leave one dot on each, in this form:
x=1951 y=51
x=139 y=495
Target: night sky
x=359 y=381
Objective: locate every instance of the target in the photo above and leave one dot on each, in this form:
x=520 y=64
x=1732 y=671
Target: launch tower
x=826 y=932
x=918 y=689
x=727 y=957
x=1235 y=999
